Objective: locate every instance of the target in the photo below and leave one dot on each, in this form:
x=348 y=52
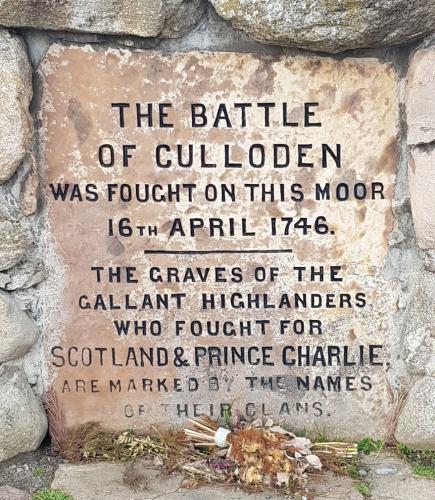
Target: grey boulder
x=331 y=26
x=9 y=493
x=23 y=423
x=146 y=18
x=15 y=96
x=416 y=424
x=18 y=332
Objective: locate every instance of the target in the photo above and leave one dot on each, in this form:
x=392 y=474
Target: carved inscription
x=221 y=227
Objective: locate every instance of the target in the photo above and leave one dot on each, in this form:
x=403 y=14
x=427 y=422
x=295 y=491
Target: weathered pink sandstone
x=357 y=108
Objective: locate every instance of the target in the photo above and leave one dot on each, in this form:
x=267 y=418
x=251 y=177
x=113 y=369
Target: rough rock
x=4 y=280
x=146 y=18
x=14 y=242
x=384 y=470
x=419 y=334
x=330 y=26
x=429 y=260
x=416 y=425
x=420 y=97
x=24 y=275
x=15 y=96
x=420 y=118
x=18 y=332
x=422 y=191
x=9 y=493
x=23 y=423
x=29 y=190
x=398 y=485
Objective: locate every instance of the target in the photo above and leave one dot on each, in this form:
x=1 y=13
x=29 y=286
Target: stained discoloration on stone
x=357 y=108
x=80 y=120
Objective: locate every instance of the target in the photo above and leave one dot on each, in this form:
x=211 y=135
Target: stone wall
x=398 y=32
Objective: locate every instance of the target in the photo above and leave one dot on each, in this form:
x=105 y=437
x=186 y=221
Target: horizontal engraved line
x=205 y=252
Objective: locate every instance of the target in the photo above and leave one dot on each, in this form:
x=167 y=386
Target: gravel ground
x=30 y=471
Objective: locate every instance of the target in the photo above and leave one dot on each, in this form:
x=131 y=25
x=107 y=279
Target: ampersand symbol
x=178 y=360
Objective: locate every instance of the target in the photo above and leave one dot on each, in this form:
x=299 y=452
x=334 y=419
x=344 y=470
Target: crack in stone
x=161 y=495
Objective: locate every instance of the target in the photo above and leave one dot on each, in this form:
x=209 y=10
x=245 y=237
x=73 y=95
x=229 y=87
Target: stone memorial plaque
x=218 y=229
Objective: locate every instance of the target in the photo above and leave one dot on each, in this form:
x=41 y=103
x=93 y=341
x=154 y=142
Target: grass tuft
x=38 y=472
x=422 y=461
x=352 y=469
x=49 y=494
x=321 y=438
x=364 y=489
x=369 y=445
x=56 y=423
x=90 y=442
x=423 y=471
x=404 y=450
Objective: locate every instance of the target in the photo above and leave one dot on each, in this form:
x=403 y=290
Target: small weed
x=352 y=470
x=49 y=494
x=227 y=416
x=422 y=461
x=423 y=470
x=364 y=489
x=38 y=472
x=369 y=445
x=404 y=450
x=321 y=438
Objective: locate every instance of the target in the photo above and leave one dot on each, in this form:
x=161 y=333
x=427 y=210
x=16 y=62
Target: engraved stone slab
x=217 y=226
